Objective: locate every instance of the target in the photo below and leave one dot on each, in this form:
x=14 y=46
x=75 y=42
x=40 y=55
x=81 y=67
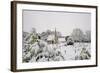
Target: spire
x=56 y=37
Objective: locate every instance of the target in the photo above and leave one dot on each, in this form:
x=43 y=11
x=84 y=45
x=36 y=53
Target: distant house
x=51 y=38
x=61 y=39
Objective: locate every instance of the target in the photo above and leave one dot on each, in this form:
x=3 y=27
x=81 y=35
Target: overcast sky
x=64 y=22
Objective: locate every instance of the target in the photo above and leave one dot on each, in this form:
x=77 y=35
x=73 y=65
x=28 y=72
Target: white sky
x=64 y=22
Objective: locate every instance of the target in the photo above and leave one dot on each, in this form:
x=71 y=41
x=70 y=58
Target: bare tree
x=88 y=36
x=77 y=35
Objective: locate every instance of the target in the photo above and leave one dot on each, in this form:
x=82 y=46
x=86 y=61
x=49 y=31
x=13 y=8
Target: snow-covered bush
x=84 y=54
x=69 y=40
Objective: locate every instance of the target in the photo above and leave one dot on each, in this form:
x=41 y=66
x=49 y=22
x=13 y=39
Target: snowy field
x=42 y=51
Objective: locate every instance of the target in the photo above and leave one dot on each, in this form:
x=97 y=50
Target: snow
x=41 y=51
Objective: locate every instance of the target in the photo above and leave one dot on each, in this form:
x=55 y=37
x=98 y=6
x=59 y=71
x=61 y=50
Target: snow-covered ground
x=42 y=51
